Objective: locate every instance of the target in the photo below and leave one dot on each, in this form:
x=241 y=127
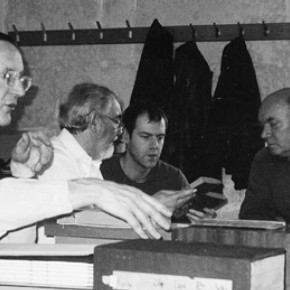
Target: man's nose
x=266 y=132
x=119 y=131
x=18 y=88
x=154 y=142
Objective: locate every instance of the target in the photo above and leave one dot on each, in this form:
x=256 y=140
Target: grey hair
x=76 y=113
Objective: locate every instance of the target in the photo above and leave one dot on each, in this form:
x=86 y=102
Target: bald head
x=277 y=100
x=274 y=116
x=6 y=46
x=10 y=61
x=7 y=43
x=281 y=96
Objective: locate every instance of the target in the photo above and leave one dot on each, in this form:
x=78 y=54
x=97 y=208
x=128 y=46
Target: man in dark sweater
x=145 y=128
x=268 y=193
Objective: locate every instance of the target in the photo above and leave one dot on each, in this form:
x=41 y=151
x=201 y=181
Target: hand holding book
x=207 y=200
x=175 y=199
x=196 y=215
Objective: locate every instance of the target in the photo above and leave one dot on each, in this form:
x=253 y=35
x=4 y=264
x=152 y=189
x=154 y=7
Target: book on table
x=93 y=226
x=239 y=224
x=92 y=223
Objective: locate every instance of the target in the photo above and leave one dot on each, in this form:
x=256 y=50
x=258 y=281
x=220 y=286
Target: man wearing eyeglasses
x=26 y=201
x=91 y=123
x=34 y=149
x=90 y=120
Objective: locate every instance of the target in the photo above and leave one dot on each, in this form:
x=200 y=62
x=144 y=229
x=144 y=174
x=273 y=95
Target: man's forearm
x=26 y=201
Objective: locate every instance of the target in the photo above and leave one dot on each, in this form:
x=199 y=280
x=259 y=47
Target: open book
x=208 y=195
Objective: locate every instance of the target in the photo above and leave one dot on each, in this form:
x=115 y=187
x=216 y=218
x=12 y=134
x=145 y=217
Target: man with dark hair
x=144 y=133
x=26 y=201
x=91 y=121
x=268 y=193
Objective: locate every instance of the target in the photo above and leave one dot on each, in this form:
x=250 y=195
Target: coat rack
x=202 y=33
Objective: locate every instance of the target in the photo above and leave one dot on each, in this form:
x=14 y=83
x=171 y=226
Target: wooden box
x=151 y=264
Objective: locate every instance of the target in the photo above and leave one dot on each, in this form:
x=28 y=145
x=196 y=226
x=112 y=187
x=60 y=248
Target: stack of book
x=52 y=266
x=92 y=226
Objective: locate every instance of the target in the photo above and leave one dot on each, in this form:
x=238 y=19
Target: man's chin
x=107 y=153
x=5 y=120
x=151 y=164
x=275 y=150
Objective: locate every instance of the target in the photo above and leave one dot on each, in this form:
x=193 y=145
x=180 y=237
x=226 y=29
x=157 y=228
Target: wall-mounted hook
x=217 y=30
x=101 y=35
x=130 y=32
x=241 y=30
x=44 y=34
x=73 y=35
x=266 y=29
x=193 y=32
x=17 y=37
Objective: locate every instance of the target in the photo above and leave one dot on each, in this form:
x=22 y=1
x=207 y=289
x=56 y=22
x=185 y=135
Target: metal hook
x=217 y=30
x=266 y=29
x=193 y=32
x=241 y=30
x=17 y=37
x=44 y=34
x=130 y=32
x=73 y=35
x=100 y=28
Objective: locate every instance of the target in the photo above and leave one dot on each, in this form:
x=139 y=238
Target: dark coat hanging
x=154 y=80
x=190 y=106
x=233 y=134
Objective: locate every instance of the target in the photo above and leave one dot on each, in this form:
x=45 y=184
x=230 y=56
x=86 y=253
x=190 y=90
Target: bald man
x=25 y=201
x=268 y=193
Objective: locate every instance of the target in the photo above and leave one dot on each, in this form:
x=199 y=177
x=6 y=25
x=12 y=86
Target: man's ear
x=125 y=136
x=96 y=125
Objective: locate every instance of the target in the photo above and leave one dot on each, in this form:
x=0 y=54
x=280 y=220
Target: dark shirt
x=162 y=177
x=268 y=193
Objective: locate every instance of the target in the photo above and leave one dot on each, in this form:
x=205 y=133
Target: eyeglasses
x=116 y=122
x=10 y=78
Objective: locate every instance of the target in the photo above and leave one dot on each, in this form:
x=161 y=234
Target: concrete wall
x=56 y=69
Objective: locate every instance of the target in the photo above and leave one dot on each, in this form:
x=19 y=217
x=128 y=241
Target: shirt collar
x=75 y=148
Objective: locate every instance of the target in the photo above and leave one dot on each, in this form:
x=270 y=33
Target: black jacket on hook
x=190 y=106
x=233 y=135
x=154 y=80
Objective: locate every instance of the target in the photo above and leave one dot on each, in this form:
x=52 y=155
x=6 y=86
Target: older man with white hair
x=26 y=201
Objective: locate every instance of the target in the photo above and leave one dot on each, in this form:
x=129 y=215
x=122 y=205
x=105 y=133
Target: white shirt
x=70 y=160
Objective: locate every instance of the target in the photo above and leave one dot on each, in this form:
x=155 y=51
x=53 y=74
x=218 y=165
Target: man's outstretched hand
x=143 y=213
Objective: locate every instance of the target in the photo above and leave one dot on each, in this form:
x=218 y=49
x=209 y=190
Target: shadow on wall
x=20 y=109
